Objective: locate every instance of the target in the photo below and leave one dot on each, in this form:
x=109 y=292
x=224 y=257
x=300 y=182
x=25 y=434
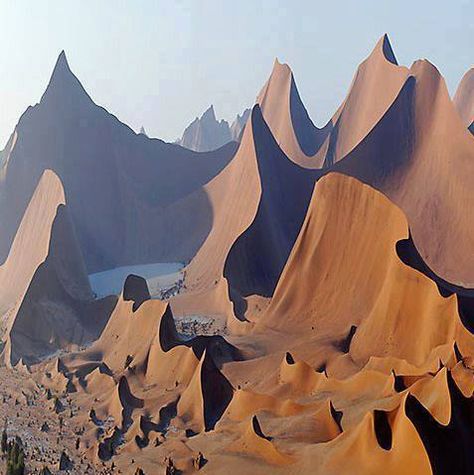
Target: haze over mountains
x=207 y=133
x=321 y=319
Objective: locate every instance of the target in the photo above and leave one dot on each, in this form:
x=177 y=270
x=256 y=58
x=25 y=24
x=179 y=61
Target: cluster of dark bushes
x=15 y=454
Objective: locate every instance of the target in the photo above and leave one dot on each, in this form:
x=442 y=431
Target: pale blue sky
x=161 y=63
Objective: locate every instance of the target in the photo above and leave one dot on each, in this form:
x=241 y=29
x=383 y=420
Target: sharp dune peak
x=387 y=49
x=281 y=68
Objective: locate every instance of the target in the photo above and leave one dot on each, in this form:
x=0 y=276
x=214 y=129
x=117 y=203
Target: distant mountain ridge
x=116 y=181
x=207 y=133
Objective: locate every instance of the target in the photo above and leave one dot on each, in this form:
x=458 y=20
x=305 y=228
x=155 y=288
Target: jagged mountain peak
x=209 y=113
x=63 y=83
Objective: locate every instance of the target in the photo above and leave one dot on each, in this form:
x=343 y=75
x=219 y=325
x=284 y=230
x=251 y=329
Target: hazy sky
x=161 y=63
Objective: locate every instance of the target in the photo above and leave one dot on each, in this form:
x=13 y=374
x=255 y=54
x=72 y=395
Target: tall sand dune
x=46 y=296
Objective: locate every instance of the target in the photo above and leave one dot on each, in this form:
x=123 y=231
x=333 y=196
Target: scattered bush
x=15 y=458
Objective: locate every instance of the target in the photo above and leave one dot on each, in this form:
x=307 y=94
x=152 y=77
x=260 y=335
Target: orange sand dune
x=422 y=136
x=338 y=262
x=375 y=86
x=289 y=121
x=259 y=201
x=364 y=285
x=396 y=127
x=46 y=293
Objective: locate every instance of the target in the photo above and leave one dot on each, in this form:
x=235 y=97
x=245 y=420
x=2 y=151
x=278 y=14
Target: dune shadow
x=310 y=138
x=257 y=257
x=449 y=447
x=410 y=256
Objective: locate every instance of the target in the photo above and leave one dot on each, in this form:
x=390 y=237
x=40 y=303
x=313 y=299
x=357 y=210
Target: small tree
x=16 y=458
x=4 y=441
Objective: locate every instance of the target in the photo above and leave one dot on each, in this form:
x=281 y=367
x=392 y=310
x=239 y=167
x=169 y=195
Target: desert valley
x=262 y=296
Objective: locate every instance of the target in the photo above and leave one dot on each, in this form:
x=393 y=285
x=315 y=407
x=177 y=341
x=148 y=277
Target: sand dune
x=46 y=296
x=289 y=121
x=365 y=286
x=334 y=264
x=422 y=135
x=259 y=203
x=374 y=88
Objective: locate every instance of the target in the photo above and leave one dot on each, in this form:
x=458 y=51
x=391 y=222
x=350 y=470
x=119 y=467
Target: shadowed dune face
x=46 y=293
x=395 y=127
x=375 y=86
x=135 y=288
x=310 y=138
x=385 y=151
x=362 y=292
x=383 y=136
x=426 y=139
x=125 y=191
x=289 y=121
x=409 y=254
x=234 y=196
x=448 y=452
x=257 y=257
x=380 y=402
x=259 y=202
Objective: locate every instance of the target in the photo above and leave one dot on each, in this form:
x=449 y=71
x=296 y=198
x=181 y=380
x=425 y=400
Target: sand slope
x=365 y=285
x=329 y=256
x=421 y=136
x=259 y=203
x=46 y=298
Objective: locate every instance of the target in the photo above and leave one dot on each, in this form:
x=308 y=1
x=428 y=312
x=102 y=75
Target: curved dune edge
x=366 y=286
x=422 y=135
x=259 y=201
x=374 y=88
x=385 y=149
x=277 y=98
x=234 y=194
x=396 y=126
x=46 y=299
